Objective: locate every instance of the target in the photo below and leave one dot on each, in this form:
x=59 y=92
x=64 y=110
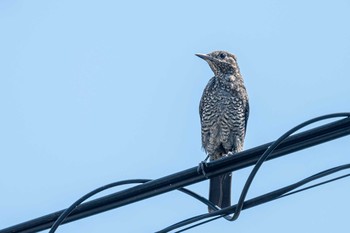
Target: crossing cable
x=283 y=192
x=177 y=180
x=279 y=193
x=238 y=208
x=268 y=152
x=71 y=208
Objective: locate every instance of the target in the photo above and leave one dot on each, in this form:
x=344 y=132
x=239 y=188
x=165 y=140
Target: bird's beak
x=204 y=56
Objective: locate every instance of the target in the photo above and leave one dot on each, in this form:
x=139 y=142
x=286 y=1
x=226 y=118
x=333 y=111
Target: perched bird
x=224 y=111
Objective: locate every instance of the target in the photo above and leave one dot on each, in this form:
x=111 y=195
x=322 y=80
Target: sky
x=93 y=92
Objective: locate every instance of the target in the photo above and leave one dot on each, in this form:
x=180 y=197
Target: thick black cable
x=238 y=208
x=268 y=152
x=300 y=141
x=71 y=208
x=279 y=193
x=246 y=187
x=287 y=194
x=244 y=192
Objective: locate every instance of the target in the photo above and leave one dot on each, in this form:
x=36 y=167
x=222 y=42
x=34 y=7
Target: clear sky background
x=93 y=92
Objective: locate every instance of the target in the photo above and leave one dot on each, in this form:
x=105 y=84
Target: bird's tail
x=220 y=190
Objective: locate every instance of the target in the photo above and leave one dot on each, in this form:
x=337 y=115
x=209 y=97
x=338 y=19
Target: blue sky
x=93 y=92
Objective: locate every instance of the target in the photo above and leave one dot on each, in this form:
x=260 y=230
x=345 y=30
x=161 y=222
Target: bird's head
x=222 y=63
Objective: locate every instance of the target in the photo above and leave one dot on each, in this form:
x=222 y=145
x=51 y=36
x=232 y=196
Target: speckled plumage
x=224 y=110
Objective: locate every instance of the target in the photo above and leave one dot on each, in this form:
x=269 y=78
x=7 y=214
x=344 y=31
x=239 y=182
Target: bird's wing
x=201 y=103
x=246 y=116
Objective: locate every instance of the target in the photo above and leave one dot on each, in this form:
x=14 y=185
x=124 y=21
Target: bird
x=224 y=112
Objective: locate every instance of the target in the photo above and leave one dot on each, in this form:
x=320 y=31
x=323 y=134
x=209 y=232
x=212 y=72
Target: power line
x=70 y=209
x=236 y=209
x=268 y=152
x=177 y=180
x=276 y=194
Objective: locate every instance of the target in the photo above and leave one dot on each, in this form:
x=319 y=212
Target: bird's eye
x=222 y=55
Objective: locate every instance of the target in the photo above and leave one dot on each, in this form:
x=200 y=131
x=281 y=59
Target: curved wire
x=269 y=151
x=236 y=209
x=72 y=207
x=279 y=193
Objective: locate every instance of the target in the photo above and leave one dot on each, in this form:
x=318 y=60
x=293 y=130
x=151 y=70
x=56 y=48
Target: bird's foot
x=230 y=153
x=206 y=159
x=201 y=167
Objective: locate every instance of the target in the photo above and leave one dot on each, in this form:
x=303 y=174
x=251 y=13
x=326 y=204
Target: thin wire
x=315 y=185
x=296 y=142
x=279 y=193
x=71 y=208
x=198 y=224
x=285 y=195
x=267 y=153
x=236 y=209
x=244 y=192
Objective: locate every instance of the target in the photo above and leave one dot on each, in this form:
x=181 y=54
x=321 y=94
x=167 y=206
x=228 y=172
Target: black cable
x=198 y=224
x=315 y=185
x=305 y=139
x=241 y=201
x=279 y=193
x=287 y=194
x=269 y=151
x=246 y=187
x=238 y=208
x=71 y=208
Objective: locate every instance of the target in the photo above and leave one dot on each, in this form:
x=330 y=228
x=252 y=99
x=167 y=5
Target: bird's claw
x=201 y=167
